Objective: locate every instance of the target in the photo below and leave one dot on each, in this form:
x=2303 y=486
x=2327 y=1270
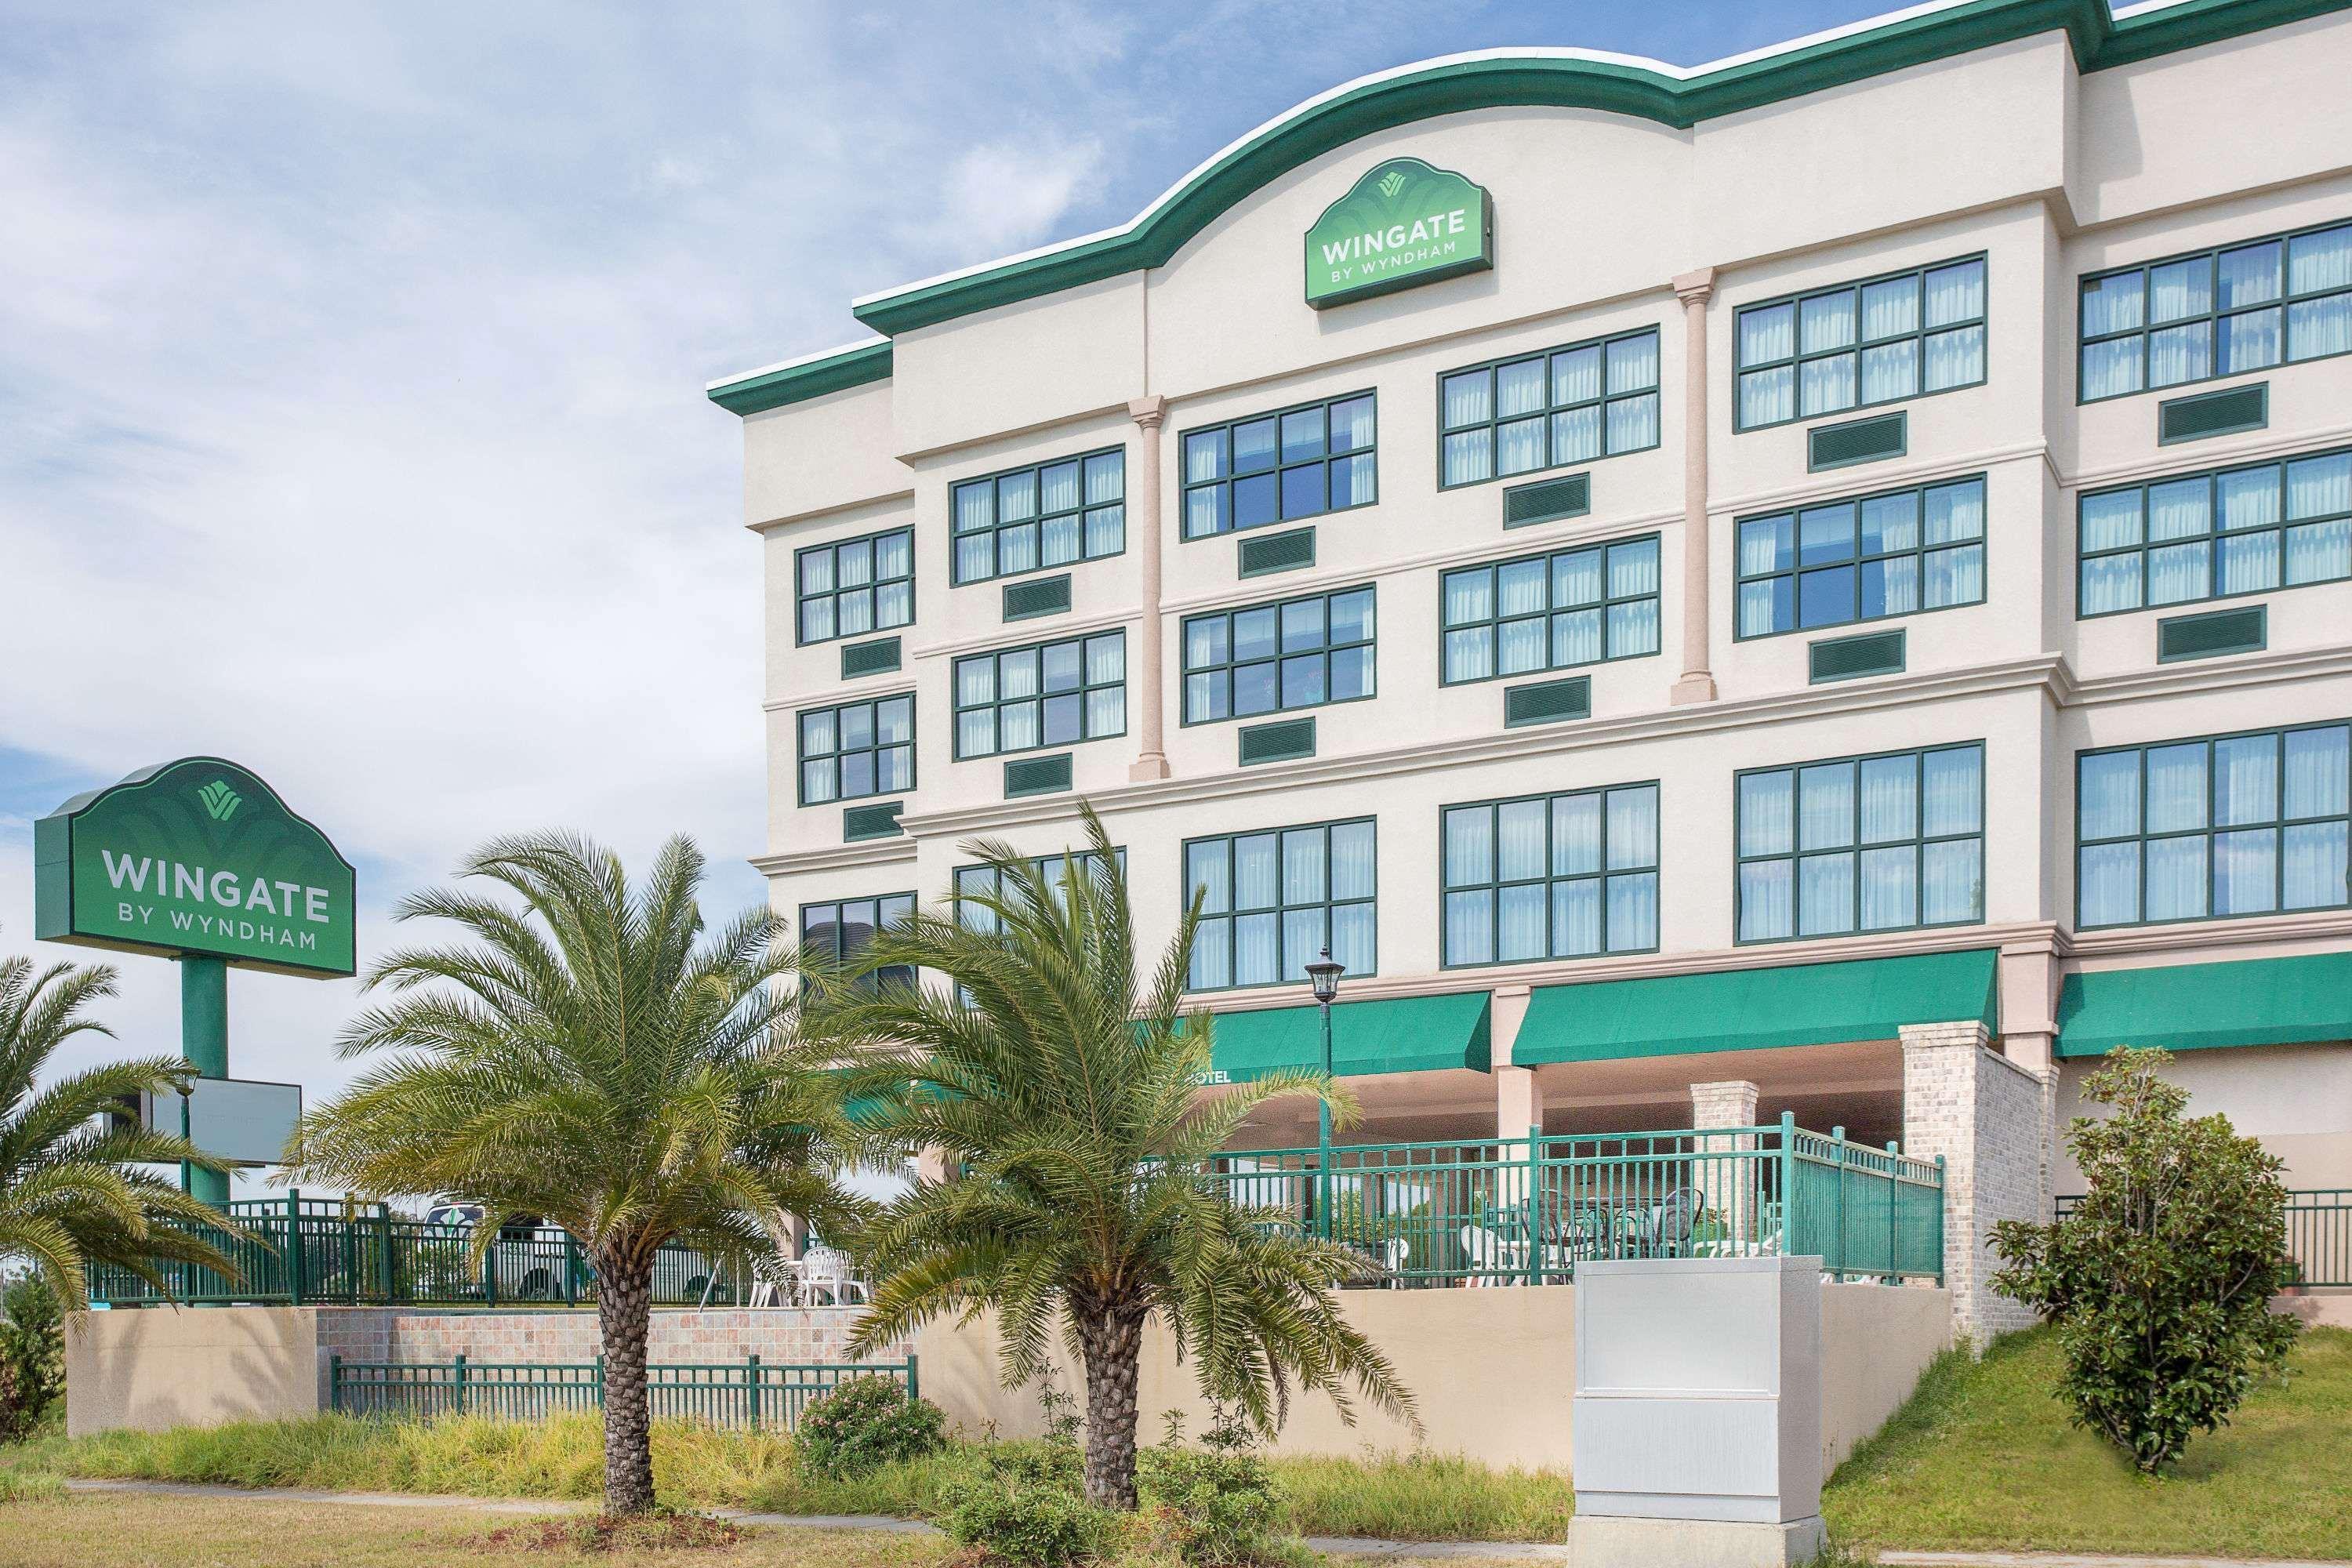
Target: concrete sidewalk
x=1337 y=1545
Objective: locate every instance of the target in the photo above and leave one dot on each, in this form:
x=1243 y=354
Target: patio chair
x=827 y=1270
x=1672 y=1221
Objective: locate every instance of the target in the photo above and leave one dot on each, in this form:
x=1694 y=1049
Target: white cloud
x=1009 y=197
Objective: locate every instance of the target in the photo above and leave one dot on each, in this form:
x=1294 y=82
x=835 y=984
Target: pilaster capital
x=1693 y=287
x=1148 y=412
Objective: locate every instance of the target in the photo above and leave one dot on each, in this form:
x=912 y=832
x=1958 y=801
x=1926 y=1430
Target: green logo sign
x=1404 y=222
x=195 y=856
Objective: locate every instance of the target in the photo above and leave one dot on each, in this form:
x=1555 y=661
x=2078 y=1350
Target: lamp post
x=1323 y=973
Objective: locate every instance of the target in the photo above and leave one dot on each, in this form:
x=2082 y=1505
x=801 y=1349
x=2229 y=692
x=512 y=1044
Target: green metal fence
x=2318 y=1232
x=328 y=1251
x=1529 y=1210
x=747 y=1393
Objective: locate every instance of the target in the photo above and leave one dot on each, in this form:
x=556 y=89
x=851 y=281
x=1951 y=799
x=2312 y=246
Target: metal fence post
x=335 y=1382
x=1894 y=1210
x=459 y=1370
x=294 y=1281
x=383 y=1229
x=1837 y=1144
x=751 y=1387
x=570 y=1270
x=1940 y=1221
x=490 y=1273
x=1788 y=1162
x=913 y=1389
x=1535 y=1206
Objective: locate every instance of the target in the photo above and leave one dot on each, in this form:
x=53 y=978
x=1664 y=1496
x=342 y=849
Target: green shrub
x=2159 y=1282
x=1026 y=1504
x=864 y=1424
x=32 y=1357
x=1213 y=1505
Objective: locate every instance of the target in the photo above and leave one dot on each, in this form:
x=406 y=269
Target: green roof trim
x=802 y=379
x=2197 y=1006
x=1400 y=1033
x=1755 y=1009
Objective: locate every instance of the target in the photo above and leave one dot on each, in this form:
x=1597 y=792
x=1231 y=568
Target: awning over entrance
x=1400 y=1034
x=2190 y=1006
x=1753 y=1010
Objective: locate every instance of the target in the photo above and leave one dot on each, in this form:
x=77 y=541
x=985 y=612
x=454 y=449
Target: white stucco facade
x=1608 y=223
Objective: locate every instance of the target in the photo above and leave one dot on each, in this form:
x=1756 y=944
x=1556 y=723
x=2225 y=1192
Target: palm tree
x=593 y=1059
x=71 y=1192
x=1068 y=1087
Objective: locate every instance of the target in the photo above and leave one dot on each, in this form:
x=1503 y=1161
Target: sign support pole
x=204 y=1040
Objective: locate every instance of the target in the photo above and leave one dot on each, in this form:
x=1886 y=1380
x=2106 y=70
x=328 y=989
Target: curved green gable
x=2099 y=40
x=195 y=856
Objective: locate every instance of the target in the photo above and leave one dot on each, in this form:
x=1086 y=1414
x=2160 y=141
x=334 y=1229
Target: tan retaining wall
x=1876 y=1341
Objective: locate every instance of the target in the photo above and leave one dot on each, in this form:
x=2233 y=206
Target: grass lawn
x=1983 y=1458
x=128 y=1530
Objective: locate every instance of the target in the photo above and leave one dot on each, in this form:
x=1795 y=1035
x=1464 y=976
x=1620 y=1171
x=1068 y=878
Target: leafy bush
x=2159 y=1282
x=1026 y=1504
x=865 y=1423
x=32 y=1357
x=1213 y=1505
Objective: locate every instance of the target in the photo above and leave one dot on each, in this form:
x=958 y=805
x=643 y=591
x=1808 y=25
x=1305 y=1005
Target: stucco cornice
x=2208 y=675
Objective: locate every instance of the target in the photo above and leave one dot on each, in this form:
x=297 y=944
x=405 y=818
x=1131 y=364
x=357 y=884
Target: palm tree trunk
x=1112 y=1344
x=624 y=1313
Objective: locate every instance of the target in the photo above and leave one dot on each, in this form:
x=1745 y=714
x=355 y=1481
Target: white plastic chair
x=826 y=1269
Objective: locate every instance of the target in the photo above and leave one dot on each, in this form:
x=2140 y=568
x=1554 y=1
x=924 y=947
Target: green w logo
x=220 y=800
x=1392 y=183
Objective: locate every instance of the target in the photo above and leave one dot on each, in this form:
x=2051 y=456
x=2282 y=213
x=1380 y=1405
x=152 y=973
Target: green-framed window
x=986 y=881
x=2215 y=535
x=1305 y=652
x=1584 y=605
x=1573 y=874
x=1274 y=467
x=1889 y=842
x=855 y=585
x=857 y=749
x=1270 y=901
x=2212 y=828
x=1040 y=516
x=1547 y=409
x=1882 y=340
x=1047 y=694
x=2280 y=300
x=837 y=932
x=1863 y=558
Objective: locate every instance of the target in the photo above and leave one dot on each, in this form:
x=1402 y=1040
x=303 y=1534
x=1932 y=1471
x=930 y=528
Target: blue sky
x=350 y=360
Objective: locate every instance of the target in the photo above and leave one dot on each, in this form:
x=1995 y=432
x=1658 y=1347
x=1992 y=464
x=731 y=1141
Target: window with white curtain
x=1547 y=409
x=1879 y=341
x=1036 y=518
x=1585 y=605
x=1561 y=876
x=1265 y=658
x=857 y=749
x=2215 y=828
x=1887 y=842
x=1864 y=559
x=986 y=881
x=856 y=587
x=2280 y=300
x=837 y=934
x=2215 y=535
x=1273 y=468
x=1271 y=901
x=1049 y=694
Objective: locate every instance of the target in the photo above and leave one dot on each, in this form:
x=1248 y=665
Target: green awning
x=1400 y=1034
x=1754 y=1009
x=2191 y=1006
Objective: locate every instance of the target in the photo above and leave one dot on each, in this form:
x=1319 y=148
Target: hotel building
x=1817 y=584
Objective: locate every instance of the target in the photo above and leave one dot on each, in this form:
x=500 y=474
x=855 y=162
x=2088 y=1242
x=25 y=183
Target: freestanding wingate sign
x=1405 y=223
x=201 y=861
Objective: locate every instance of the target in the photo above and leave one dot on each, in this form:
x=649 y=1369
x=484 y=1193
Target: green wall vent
x=872 y=821
x=2213 y=413
x=1037 y=775
x=1277 y=551
x=876 y=658
x=2213 y=634
x=1851 y=658
x=1547 y=702
x=1277 y=743
x=1856 y=441
x=1042 y=596
x=1548 y=501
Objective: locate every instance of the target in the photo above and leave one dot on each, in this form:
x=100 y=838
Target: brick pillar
x=1990 y=1119
x=1726 y=1182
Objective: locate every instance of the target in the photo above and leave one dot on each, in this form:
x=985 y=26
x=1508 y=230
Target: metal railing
x=750 y=1393
x=2318 y=1232
x=1528 y=1210
x=328 y=1251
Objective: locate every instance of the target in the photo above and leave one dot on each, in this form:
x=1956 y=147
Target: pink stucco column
x=1697 y=682
x=1144 y=534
